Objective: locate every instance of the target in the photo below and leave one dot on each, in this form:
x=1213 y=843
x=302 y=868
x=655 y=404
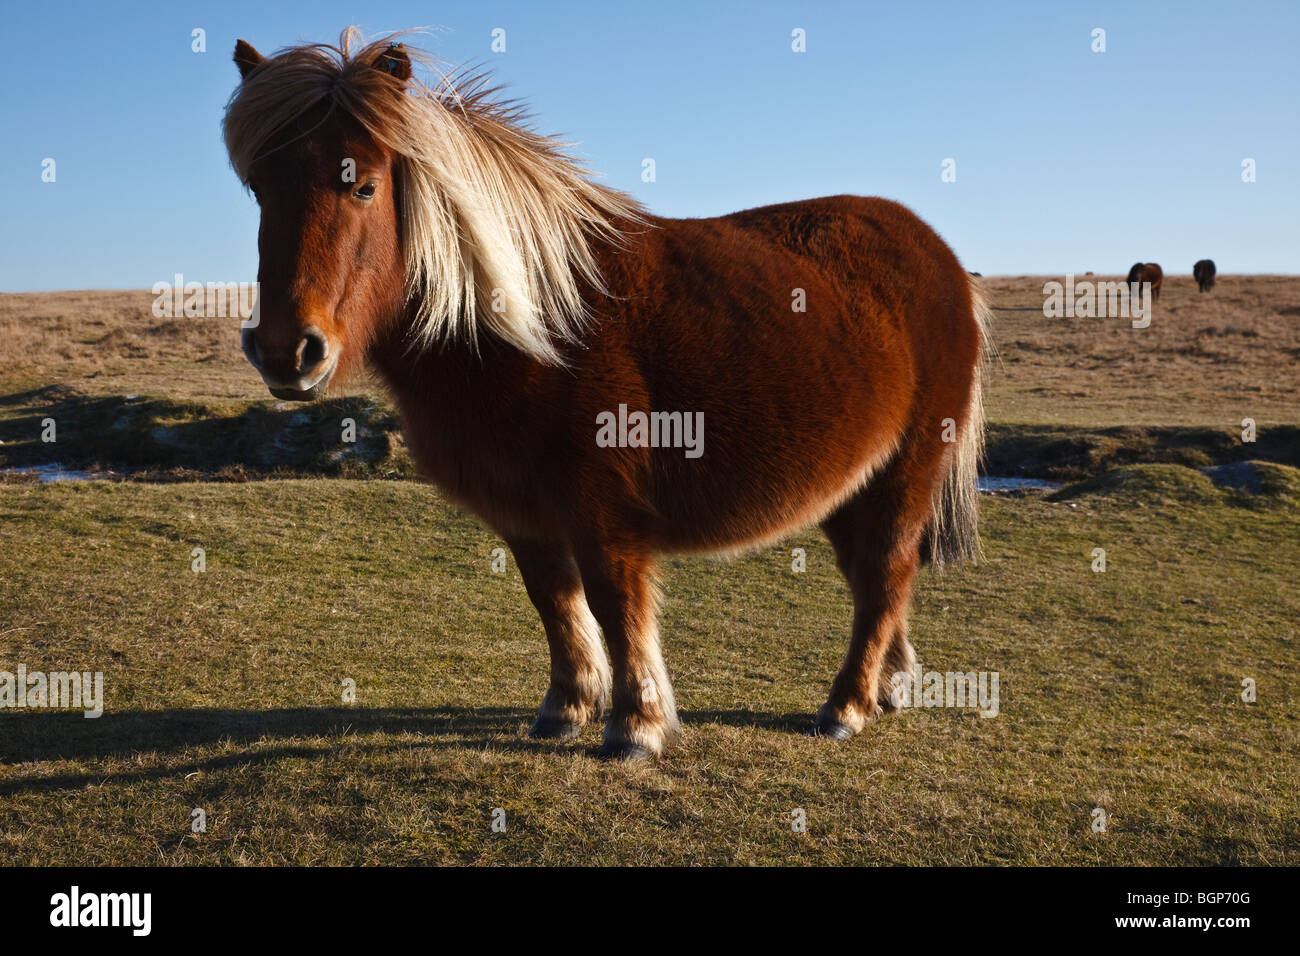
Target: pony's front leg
x=579 y=671
x=644 y=716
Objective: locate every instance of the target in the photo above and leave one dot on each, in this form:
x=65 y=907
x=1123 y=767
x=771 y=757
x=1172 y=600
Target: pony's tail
x=953 y=532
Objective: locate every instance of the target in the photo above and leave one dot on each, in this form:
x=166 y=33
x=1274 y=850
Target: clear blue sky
x=1067 y=160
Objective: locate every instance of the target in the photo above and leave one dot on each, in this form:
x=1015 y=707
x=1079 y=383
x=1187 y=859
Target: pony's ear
x=394 y=60
x=246 y=58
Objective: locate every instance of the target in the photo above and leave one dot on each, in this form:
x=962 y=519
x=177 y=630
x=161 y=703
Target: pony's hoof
x=826 y=727
x=623 y=750
x=554 y=728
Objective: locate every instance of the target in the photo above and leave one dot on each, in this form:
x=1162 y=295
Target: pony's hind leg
x=644 y=715
x=876 y=536
x=580 y=675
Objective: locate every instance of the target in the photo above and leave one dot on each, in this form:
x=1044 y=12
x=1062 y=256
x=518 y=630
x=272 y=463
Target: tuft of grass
x=1278 y=482
x=1069 y=452
x=1253 y=484
x=1156 y=485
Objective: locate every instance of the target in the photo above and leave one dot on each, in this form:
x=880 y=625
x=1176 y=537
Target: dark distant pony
x=1147 y=272
x=810 y=362
x=1203 y=273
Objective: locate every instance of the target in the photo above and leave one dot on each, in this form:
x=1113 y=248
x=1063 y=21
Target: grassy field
x=1119 y=690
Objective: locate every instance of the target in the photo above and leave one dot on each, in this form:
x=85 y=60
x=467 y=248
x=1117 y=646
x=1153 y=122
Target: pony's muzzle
x=301 y=377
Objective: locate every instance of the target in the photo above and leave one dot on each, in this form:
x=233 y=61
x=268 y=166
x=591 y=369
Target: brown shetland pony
x=1147 y=272
x=831 y=347
x=1203 y=273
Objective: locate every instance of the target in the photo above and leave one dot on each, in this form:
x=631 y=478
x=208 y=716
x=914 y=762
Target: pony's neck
x=450 y=370
x=471 y=418
x=449 y=373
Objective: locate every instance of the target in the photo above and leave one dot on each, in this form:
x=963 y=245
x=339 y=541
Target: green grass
x=1118 y=690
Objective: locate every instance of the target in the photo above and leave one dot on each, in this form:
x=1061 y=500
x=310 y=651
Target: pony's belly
x=506 y=491
x=731 y=510
x=787 y=435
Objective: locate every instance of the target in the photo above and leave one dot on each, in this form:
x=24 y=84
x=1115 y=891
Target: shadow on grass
x=276 y=734
x=1067 y=453
x=159 y=439
x=229 y=440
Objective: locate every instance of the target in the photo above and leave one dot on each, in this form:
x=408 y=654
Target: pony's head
x=331 y=271
x=385 y=201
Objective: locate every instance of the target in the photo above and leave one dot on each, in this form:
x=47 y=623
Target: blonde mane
x=497 y=221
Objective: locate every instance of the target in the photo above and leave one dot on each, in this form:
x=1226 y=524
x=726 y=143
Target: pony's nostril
x=312 y=350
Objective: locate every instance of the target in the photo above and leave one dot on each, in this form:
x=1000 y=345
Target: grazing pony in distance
x=1147 y=272
x=1203 y=273
x=601 y=385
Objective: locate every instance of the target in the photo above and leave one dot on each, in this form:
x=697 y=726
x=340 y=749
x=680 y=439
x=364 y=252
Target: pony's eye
x=366 y=192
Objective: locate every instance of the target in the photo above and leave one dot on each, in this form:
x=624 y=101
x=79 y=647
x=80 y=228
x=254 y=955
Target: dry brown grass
x=110 y=343
x=1210 y=359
